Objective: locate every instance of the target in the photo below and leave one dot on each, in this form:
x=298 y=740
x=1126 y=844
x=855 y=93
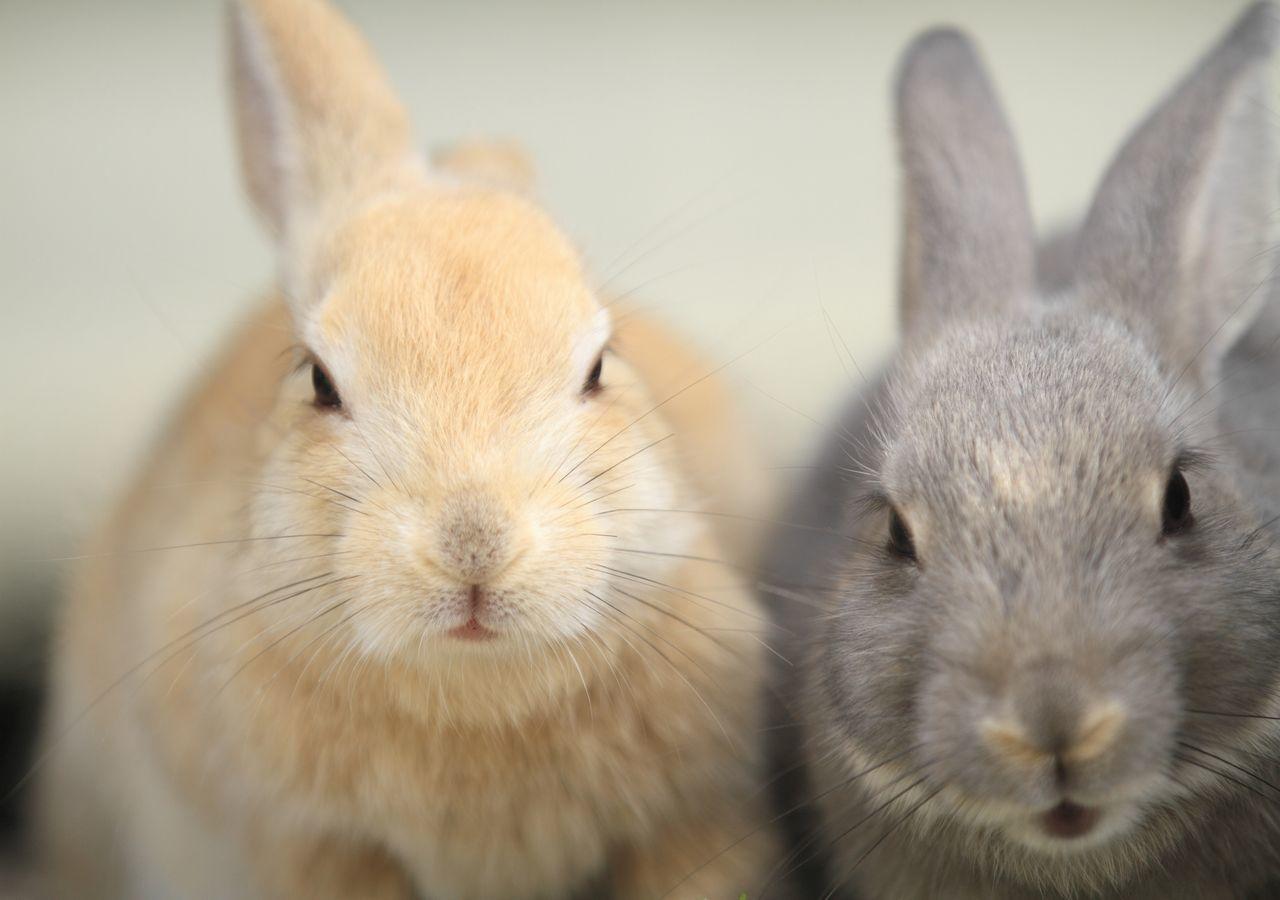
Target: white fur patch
x=588 y=346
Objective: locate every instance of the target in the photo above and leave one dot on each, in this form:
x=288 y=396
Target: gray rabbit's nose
x=1053 y=723
x=474 y=538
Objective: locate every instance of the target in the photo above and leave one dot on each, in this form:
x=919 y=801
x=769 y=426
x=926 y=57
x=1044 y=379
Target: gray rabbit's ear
x=968 y=242
x=316 y=121
x=1175 y=240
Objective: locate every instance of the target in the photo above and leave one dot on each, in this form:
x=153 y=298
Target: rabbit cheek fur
x=1014 y=622
x=440 y=636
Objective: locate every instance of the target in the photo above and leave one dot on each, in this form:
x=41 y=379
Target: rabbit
x=1032 y=588
x=413 y=598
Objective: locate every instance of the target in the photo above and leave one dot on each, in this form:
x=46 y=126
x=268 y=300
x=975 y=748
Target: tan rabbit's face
x=459 y=430
x=469 y=464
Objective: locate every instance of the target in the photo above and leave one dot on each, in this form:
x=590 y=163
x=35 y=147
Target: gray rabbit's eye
x=326 y=395
x=900 y=541
x=1176 y=515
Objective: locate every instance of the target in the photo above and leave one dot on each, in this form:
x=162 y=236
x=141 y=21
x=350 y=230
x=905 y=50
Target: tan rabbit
x=413 y=599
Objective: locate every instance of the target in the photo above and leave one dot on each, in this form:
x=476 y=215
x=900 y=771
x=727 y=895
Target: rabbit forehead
x=446 y=281
x=1043 y=409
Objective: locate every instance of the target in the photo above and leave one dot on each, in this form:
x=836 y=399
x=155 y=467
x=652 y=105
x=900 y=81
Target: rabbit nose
x=475 y=540
x=1053 y=721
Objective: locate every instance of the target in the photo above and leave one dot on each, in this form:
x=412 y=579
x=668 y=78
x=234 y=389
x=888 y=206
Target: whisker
x=890 y=830
x=376 y=458
x=1232 y=715
x=651 y=410
x=726 y=515
x=275 y=643
x=326 y=487
x=194 y=636
x=799 y=859
x=218 y=543
x=632 y=576
x=355 y=465
x=1230 y=764
x=801 y=805
x=676 y=669
x=673 y=616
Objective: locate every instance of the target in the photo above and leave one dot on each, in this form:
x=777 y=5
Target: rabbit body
x=438 y=620
x=1029 y=665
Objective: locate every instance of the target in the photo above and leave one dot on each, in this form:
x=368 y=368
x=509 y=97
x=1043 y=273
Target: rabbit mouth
x=473 y=613
x=1070 y=827
x=1069 y=821
x=472 y=630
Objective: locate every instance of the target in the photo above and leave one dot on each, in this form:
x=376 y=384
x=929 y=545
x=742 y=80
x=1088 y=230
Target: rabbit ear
x=497 y=163
x=1175 y=238
x=316 y=120
x=968 y=244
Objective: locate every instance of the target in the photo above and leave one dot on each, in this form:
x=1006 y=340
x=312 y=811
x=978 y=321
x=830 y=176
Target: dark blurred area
x=20 y=712
x=21 y=698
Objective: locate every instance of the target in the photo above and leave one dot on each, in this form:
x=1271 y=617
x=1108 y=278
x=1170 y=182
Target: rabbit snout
x=476 y=538
x=1052 y=721
x=1080 y=728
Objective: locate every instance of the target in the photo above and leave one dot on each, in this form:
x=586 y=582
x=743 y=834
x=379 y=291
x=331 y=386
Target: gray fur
x=961 y=167
x=1026 y=436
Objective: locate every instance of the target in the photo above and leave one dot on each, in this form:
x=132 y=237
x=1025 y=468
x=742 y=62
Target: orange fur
x=306 y=720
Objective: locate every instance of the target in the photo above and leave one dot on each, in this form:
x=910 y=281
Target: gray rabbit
x=1031 y=593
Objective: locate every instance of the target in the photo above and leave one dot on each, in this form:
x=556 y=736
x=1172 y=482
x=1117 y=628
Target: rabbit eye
x=592 y=384
x=1176 y=515
x=326 y=394
x=901 y=544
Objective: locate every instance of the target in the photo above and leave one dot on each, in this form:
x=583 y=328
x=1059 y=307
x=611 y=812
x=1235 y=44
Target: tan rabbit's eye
x=1176 y=514
x=326 y=394
x=592 y=384
x=901 y=543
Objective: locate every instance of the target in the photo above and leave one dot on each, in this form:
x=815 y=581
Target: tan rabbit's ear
x=316 y=120
x=968 y=239
x=498 y=163
x=1176 y=239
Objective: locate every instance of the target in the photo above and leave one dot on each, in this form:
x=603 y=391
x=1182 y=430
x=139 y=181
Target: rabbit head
x=1057 y=577
x=457 y=428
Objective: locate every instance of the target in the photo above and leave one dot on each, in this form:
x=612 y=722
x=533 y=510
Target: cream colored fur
x=259 y=689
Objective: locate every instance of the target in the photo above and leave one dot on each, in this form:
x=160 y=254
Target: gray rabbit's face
x=1055 y=577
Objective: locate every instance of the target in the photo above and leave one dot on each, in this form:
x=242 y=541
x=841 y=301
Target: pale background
x=734 y=159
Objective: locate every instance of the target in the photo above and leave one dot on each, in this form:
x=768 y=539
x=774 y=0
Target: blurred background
x=730 y=162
